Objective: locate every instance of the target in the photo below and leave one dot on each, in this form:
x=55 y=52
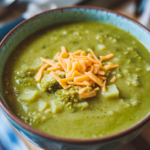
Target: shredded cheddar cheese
x=95 y=57
x=62 y=83
x=52 y=69
x=63 y=49
x=81 y=78
x=113 y=79
x=83 y=90
x=110 y=66
x=100 y=72
x=84 y=70
x=102 y=58
x=84 y=83
x=39 y=75
x=88 y=94
x=104 y=86
x=77 y=52
x=94 y=78
x=49 y=62
x=76 y=74
x=62 y=62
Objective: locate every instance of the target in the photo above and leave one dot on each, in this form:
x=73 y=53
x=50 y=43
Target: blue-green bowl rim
x=86 y=141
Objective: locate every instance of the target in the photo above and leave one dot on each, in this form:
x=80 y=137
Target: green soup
x=104 y=115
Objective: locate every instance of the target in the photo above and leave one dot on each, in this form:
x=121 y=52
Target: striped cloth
x=9 y=140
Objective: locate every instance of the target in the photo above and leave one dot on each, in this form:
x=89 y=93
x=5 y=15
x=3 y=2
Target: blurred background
x=13 y=12
x=14 y=9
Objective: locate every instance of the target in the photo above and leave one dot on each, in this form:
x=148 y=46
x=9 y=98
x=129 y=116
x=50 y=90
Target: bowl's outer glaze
x=60 y=15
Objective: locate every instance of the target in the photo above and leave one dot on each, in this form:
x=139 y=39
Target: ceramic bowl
x=51 y=142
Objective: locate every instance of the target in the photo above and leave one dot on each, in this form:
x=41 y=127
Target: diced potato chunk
x=48 y=110
x=28 y=96
x=43 y=105
x=110 y=112
x=112 y=92
x=148 y=68
x=102 y=47
x=134 y=102
x=83 y=105
x=25 y=108
x=56 y=107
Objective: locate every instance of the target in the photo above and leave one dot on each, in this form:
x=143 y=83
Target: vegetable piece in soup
x=79 y=80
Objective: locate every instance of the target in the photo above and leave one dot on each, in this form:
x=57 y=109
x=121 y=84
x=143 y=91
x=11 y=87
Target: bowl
x=83 y=13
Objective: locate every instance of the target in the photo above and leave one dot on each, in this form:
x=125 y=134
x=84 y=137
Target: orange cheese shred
x=84 y=83
x=62 y=63
x=83 y=90
x=64 y=55
x=91 y=69
x=72 y=56
x=69 y=64
x=88 y=63
x=91 y=59
x=109 y=56
x=55 y=57
x=39 y=75
x=77 y=52
x=95 y=57
x=104 y=86
x=96 y=68
x=94 y=78
x=74 y=67
x=52 y=69
x=96 y=89
x=48 y=61
x=110 y=66
x=66 y=79
x=83 y=53
x=55 y=75
x=59 y=66
x=81 y=57
x=102 y=77
x=113 y=79
x=81 y=69
x=76 y=74
x=63 y=84
x=88 y=94
x=100 y=72
x=81 y=78
x=63 y=49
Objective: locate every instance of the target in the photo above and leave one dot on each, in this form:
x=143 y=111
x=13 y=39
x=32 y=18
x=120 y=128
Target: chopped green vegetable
x=48 y=83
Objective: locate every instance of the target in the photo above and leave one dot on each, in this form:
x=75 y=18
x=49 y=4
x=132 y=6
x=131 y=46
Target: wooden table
x=142 y=142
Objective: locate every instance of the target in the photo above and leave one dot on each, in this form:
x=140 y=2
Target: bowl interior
x=67 y=15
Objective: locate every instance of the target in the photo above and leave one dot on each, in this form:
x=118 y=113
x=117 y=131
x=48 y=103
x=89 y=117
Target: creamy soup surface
x=46 y=106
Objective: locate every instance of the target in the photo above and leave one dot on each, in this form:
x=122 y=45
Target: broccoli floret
x=25 y=76
x=69 y=95
x=61 y=74
x=27 y=81
x=48 y=83
x=26 y=72
x=71 y=99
